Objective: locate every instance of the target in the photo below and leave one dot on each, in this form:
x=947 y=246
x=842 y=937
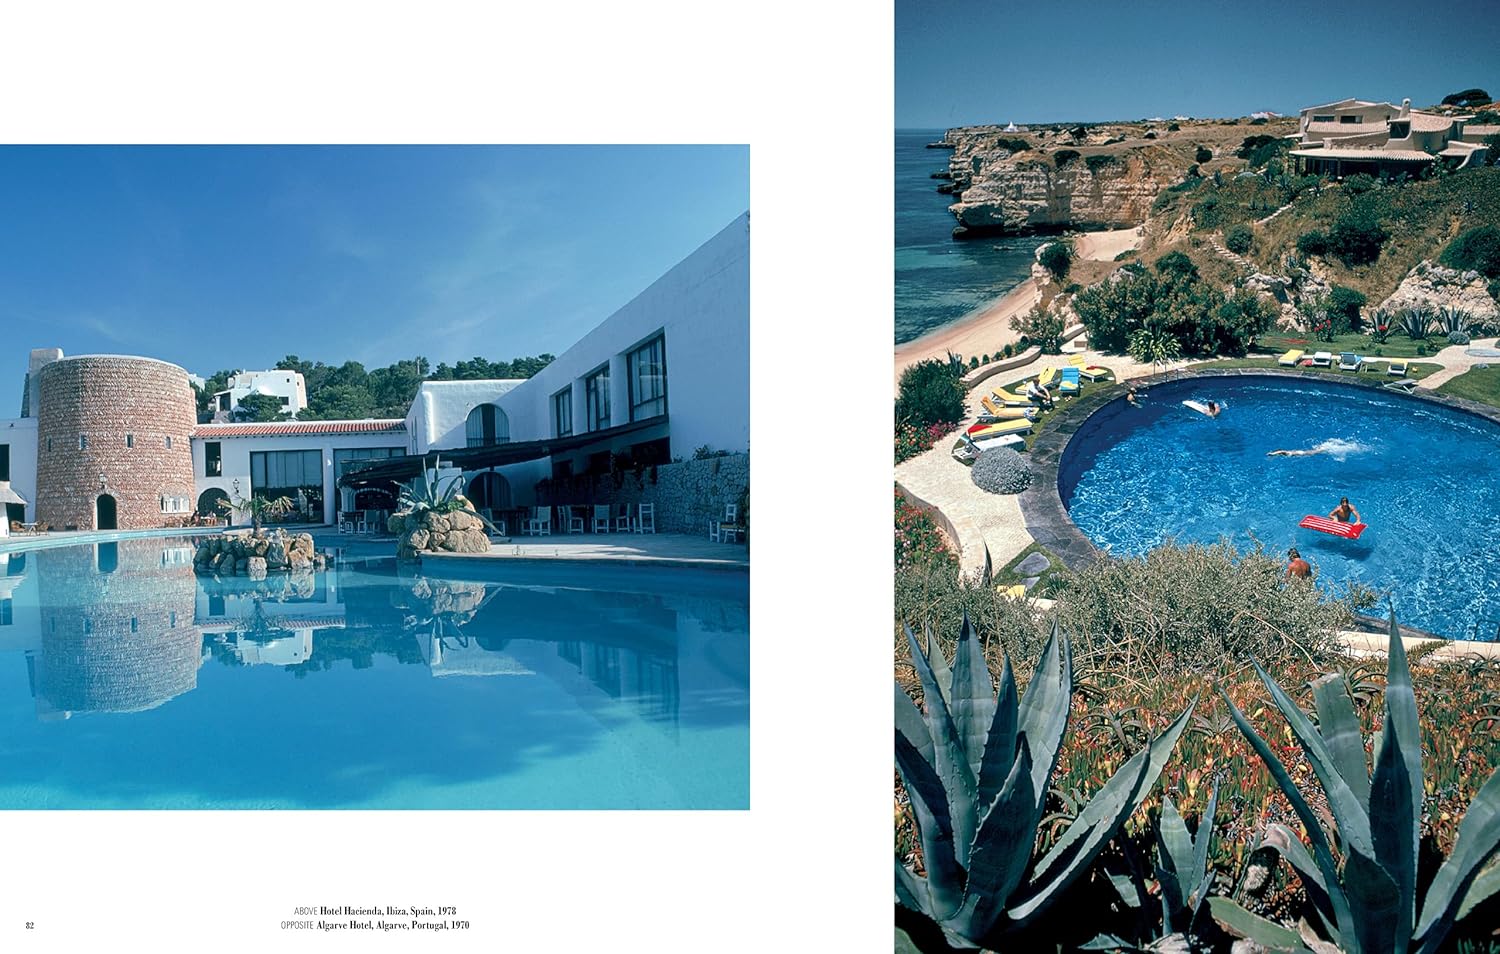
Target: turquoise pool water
x=1425 y=478
x=128 y=682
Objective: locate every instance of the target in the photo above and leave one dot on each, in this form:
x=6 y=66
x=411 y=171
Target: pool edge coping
x=1047 y=520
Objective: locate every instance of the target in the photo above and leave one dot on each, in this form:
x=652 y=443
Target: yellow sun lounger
x=1091 y=371
x=999 y=402
x=1014 y=592
x=1046 y=378
x=1397 y=368
x=1003 y=413
x=1018 y=426
x=1291 y=357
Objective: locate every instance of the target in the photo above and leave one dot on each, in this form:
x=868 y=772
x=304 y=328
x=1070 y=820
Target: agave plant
x=424 y=493
x=978 y=769
x=1416 y=323
x=1370 y=903
x=1454 y=320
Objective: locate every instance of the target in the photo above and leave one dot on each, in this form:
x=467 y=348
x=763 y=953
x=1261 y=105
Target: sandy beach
x=988 y=329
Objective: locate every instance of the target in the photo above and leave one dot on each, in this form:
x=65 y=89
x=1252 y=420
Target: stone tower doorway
x=104 y=517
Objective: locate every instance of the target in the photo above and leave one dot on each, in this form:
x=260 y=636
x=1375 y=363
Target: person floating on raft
x=1208 y=409
x=1344 y=512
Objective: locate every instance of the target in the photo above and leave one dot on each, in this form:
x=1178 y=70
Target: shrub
x=1001 y=470
x=1115 y=307
x=1099 y=163
x=1476 y=249
x=973 y=362
x=1014 y=145
x=1343 y=307
x=1357 y=235
x=1457 y=338
x=912 y=440
x=1416 y=323
x=1206 y=212
x=1421 y=350
x=1040 y=327
x=1468 y=97
x=918 y=541
x=1312 y=243
x=1150 y=134
x=1239 y=239
x=929 y=392
x=1173 y=127
x=1358 y=184
x=1008 y=351
x=1063 y=157
x=1203 y=155
x=1450 y=320
x=1056 y=258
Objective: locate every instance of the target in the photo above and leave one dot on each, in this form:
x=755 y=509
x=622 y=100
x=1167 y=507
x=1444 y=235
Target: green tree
x=339 y=402
x=1117 y=306
x=1357 y=235
x=218 y=382
x=1468 y=97
x=1344 y=306
x=1204 y=154
x=1057 y=258
x=259 y=407
x=1239 y=238
x=1042 y=327
x=1477 y=249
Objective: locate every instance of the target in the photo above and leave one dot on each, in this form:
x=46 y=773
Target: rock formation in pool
x=257 y=553
x=456 y=531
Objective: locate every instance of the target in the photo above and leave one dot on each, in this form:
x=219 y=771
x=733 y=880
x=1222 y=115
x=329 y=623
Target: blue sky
x=964 y=62
x=225 y=257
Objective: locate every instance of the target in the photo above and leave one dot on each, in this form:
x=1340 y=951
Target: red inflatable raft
x=1349 y=531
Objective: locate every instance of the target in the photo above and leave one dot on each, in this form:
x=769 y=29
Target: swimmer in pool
x=1345 y=512
x=1298 y=567
x=1296 y=453
x=1214 y=407
x=1132 y=397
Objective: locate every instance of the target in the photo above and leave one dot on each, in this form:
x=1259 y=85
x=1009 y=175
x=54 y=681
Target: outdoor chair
x=570 y=519
x=1322 y=359
x=1291 y=358
x=1091 y=371
x=1349 y=361
x=645 y=521
x=540 y=524
x=623 y=523
x=601 y=518
x=1398 y=368
x=1070 y=383
x=719 y=529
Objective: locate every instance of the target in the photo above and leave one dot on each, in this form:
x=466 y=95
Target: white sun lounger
x=1322 y=359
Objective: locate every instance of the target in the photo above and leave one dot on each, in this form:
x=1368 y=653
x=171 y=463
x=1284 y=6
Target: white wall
x=20 y=434
x=278 y=383
x=235 y=457
x=439 y=413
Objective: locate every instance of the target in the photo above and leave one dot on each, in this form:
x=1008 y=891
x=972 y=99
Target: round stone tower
x=113 y=443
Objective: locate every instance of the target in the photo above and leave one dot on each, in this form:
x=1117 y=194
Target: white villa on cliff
x=1356 y=136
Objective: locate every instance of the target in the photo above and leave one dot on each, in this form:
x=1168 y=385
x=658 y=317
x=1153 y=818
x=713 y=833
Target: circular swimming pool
x=1425 y=478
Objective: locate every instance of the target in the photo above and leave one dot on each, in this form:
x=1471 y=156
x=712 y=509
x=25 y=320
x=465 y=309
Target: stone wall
x=687 y=495
x=106 y=398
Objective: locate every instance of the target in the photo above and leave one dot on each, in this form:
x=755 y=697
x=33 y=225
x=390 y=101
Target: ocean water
x=939 y=280
x=126 y=681
x=1423 y=478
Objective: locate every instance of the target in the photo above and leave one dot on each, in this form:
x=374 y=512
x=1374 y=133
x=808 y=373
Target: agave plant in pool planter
x=1370 y=904
x=977 y=770
x=425 y=493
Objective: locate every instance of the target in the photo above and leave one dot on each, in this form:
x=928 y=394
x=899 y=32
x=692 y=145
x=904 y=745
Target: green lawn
x=1396 y=346
x=1477 y=384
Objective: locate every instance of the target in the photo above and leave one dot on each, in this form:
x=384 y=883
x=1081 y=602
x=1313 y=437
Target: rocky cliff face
x=1001 y=191
x=1433 y=286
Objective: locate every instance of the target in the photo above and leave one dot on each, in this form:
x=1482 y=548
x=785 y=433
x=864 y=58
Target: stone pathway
x=1273 y=214
x=1228 y=256
x=1455 y=362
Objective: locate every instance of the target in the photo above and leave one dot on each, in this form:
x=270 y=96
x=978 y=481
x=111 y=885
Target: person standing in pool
x=1132 y=397
x=1298 y=567
x=1345 y=512
x=1214 y=407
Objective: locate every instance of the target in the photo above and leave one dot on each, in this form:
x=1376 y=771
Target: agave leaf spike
x=971 y=697
x=1000 y=747
x=1480 y=889
x=1100 y=819
x=1340 y=730
x=1043 y=714
x=1452 y=887
x=1002 y=849
x=938 y=662
x=910 y=723
x=948 y=757
x=911 y=891
x=929 y=803
x=1176 y=847
x=1237 y=921
x=1397 y=784
x=1353 y=821
x=1305 y=814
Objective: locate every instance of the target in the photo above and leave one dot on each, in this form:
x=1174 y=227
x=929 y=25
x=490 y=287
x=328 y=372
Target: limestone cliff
x=1050 y=186
x=1433 y=286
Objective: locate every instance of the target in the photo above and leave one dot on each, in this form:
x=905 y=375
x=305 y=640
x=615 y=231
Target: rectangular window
x=83 y=442
x=213 y=465
x=285 y=401
x=129 y=440
x=562 y=412
x=1346 y=120
x=169 y=442
x=295 y=474
x=596 y=395
x=224 y=402
x=4 y=462
x=647 y=376
x=1322 y=119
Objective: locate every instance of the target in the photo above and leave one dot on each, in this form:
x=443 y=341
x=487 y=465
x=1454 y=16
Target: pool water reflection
x=128 y=682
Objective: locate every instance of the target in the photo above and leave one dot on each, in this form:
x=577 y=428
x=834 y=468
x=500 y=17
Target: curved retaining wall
x=105 y=398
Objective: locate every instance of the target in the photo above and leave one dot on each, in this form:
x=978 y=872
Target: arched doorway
x=104 y=513
x=209 y=500
x=489 y=491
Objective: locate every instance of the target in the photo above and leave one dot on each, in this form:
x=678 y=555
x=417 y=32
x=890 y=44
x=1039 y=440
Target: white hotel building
x=666 y=374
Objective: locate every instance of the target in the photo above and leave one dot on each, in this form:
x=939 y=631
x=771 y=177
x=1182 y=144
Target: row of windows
x=646 y=375
x=83 y=443
x=286 y=469
x=174 y=504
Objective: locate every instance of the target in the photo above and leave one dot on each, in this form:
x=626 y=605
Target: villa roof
x=1335 y=127
x=301 y=428
x=1460 y=149
x=1481 y=130
x=1400 y=155
x=1373 y=137
x=1342 y=102
x=1426 y=122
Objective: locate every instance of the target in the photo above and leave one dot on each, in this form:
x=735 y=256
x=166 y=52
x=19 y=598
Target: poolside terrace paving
x=656 y=549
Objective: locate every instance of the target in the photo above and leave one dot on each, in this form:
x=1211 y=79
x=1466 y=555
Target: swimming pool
x=1426 y=479
x=126 y=681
